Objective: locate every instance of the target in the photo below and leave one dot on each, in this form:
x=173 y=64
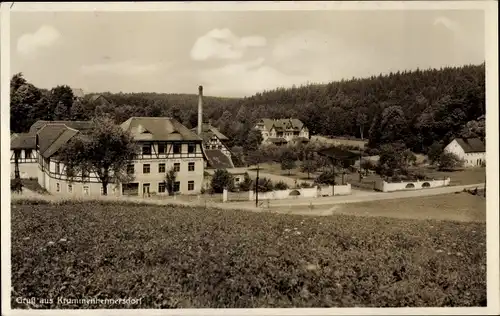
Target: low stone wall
x=295 y=193
x=383 y=186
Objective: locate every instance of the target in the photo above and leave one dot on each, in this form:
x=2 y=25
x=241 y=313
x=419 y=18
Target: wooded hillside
x=415 y=107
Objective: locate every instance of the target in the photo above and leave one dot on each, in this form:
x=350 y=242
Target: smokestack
x=200 y=109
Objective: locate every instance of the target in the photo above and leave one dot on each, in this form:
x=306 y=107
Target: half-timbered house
x=164 y=144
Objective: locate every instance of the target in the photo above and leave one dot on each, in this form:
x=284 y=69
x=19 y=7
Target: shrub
x=449 y=162
x=281 y=186
x=327 y=177
x=305 y=185
x=221 y=180
x=247 y=183
x=265 y=185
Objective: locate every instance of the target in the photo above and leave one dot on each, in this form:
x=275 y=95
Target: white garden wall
x=383 y=186
x=302 y=193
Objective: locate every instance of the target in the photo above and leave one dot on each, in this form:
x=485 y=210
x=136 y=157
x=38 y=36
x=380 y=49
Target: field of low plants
x=180 y=257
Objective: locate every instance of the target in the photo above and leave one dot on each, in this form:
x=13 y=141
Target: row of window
x=162 y=149
x=146 y=168
x=162 y=187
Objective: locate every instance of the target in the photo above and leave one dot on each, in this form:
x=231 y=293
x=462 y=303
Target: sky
x=235 y=54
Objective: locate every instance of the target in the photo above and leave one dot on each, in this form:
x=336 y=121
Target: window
x=86 y=190
x=177 y=186
x=161 y=168
x=58 y=187
x=191 y=166
x=190 y=185
x=161 y=187
x=237 y=179
x=161 y=148
x=177 y=167
x=146 y=168
x=70 y=188
x=27 y=153
x=191 y=148
x=177 y=148
x=146 y=149
x=130 y=169
x=58 y=168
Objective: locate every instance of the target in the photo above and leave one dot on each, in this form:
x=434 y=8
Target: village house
x=218 y=154
x=24 y=146
x=164 y=144
x=282 y=131
x=471 y=150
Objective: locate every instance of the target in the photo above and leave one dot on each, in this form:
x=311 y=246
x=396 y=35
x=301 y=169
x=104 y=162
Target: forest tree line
x=417 y=108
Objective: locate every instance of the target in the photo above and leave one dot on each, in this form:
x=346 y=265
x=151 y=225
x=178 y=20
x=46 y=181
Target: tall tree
x=105 y=150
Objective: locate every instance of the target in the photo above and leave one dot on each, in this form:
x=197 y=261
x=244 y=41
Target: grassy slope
x=191 y=257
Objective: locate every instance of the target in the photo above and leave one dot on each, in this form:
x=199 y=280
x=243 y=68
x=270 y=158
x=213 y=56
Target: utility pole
x=333 y=171
x=257 y=188
x=360 y=160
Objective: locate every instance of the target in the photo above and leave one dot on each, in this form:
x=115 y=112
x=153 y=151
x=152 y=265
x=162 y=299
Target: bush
x=327 y=177
x=305 y=185
x=221 y=180
x=281 y=186
x=247 y=184
x=449 y=162
x=265 y=185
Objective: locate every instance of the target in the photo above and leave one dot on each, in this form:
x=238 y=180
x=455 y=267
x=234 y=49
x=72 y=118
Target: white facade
x=472 y=159
x=149 y=173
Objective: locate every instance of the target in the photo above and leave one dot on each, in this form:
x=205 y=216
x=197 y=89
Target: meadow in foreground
x=181 y=257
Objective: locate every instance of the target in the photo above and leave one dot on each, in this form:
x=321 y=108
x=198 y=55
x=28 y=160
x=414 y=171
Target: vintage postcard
x=259 y=158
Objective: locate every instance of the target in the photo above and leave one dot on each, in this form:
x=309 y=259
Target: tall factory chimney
x=200 y=109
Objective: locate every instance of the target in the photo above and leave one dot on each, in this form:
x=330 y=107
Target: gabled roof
x=78 y=125
x=218 y=160
x=51 y=137
x=282 y=124
x=208 y=132
x=158 y=129
x=471 y=145
x=78 y=93
x=23 y=141
x=96 y=97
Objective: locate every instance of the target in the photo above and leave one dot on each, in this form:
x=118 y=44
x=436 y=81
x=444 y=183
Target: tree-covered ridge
x=417 y=107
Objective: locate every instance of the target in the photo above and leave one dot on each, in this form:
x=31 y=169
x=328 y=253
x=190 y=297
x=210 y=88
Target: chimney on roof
x=200 y=110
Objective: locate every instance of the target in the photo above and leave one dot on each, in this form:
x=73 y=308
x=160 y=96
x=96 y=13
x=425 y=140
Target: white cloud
x=247 y=78
x=448 y=23
x=223 y=44
x=123 y=68
x=45 y=36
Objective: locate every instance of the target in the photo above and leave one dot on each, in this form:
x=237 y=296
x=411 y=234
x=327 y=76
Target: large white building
x=164 y=144
x=471 y=150
x=282 y=131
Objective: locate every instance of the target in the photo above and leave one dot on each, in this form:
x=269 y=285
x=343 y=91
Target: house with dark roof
x=214 y=145
x=471 y=150
x=24 y=146
x=164 y=144
x=282 y=131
